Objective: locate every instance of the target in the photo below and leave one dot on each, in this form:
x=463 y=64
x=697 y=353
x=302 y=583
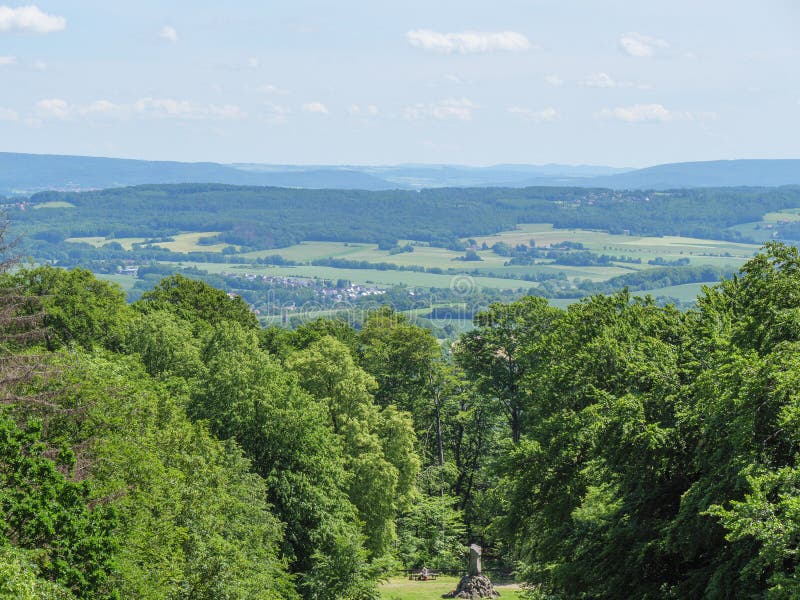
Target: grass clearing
x=307 y=251
x=400 y=588
x=789 y=215
x=98 y=242
x=189 y=242
x=126 y=282
x=182 y=242
x=54 y=204
x=688 y=292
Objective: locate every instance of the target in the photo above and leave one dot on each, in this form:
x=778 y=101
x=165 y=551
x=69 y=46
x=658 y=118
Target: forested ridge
x=258 y=218
x=172 y=448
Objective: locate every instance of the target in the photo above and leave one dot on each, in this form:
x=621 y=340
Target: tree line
x=258 y=218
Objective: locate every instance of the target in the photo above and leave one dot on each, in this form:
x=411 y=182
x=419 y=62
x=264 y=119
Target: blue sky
x=613 y=82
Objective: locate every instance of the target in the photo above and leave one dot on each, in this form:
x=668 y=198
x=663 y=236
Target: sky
x=625 y=83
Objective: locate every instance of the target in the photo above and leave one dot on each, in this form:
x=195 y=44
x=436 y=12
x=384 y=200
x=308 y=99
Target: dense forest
x=172 y=448
x=258 y=218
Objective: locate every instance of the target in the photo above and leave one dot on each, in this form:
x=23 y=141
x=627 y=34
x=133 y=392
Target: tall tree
x=504 y=348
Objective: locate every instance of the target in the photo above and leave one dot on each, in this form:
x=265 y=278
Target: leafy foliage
x=613 y=449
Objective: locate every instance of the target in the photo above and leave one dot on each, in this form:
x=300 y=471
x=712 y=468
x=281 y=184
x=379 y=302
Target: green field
x=369 y=276
x=124 y=281
x=722 y=254
x=766 y=229
x=698 y=251
x=182 y=242
x=789 y=215
x=189 y=242
x=400 y=588
x=97 y=242
x=54 y=204
x=687 y=292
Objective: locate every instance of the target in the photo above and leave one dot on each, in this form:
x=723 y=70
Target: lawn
x=400 y=588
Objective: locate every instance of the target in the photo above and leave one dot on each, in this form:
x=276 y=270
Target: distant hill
x=717 y=173
x=29 y=173
x=714 y=173
x=419 y=176
x=26 y=173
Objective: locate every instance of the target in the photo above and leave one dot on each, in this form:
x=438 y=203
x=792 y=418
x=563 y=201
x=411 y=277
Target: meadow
x=99 y=241
x=490 y=272
x=181 y=242
x=400 y=588
x=368 y=276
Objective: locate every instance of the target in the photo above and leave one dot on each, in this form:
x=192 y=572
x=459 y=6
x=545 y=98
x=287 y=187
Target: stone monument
x=474 y=585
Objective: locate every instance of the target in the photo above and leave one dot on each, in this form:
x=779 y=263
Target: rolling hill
x=24 y=174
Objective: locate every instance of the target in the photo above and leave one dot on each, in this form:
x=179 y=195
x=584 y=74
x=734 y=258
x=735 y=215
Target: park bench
x=418 y=576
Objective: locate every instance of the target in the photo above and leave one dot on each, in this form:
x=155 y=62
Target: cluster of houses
x=286 y=282
x=332 y=293
x=128 y=270
x=351 y=292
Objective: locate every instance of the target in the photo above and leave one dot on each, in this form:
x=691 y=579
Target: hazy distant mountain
x=431 y=176
x=714 y=173
x=26 y=173
x=497 y=175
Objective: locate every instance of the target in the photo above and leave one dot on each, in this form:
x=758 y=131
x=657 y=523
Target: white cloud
x=452 y=109
x=268 y=88
x=155 y=108
x=6 y=114
x=7 y=61
x=604 y=80
x=53 y=108
x=168 y=33
x=185 y=110
x=545 y=115
x=652 y=113
x=253 y=62
x=274 y=114
x=39 y=65
x=554 y=80
x=30 y=19
x=106 y=109
x=641 y=46
x=315 y=107
x=369 y=111
x=468 y=41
